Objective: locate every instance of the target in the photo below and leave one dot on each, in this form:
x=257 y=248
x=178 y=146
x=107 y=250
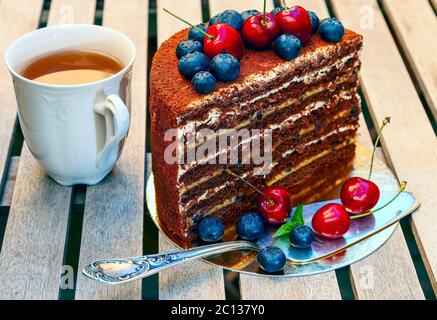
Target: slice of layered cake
x=302 y=114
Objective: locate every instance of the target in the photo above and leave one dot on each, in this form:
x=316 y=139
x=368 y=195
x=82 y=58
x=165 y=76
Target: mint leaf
x=285 y=229
x=298 y=215
x=296 y=221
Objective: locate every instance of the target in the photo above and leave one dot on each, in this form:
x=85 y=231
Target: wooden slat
x=391 y=268
x=415 y=24
x=318 y=287
x=72 y=11
x=216 y=6
x=113 y=219
x=194 y=280
x=16 y=18
x=409 y=144
x=190 y=281
x=33 y=247
x=167 y=25
x=252 y=287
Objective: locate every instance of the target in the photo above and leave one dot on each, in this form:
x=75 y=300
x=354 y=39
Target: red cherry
x=331 y=221
x=359 y=195
x=259 y=33
x=224 y=39
x=297 y=22
x=274 y=205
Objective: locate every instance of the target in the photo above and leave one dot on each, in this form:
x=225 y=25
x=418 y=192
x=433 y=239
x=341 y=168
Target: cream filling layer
x=335 y=185
x=281 y=176
x=320 y=155
x=184 y=188
x=261 y=79
x=307 y=78
x=343 y=95
x=324 y=137
x=209 y=192
x=214 y=115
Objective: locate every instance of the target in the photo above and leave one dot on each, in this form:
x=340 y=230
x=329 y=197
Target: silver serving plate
x=365 y=236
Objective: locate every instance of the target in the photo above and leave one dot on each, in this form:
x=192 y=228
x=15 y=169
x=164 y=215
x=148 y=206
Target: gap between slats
x=433 y=3
x=150 y=285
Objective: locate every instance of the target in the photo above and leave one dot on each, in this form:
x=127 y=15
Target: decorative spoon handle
x=117 y=271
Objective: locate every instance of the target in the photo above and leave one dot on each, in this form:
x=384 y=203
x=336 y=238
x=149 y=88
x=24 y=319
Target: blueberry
x=301 y=237
x=204 y=82
x=248 y=13
x=277 y=10
x=287 y=46
x=225 y=67
x=271 y=259
x=195 y=34
x=192 y=63
x=331 y=30
x=210 y=229
x=188 y=46
x=230 y=17
x=314 y=21
x=250 y=226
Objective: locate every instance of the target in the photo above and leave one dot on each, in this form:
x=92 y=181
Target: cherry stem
x=401 y=189
x=230 y=172
x=265 y=9
x=190 y=24
x=384 y=123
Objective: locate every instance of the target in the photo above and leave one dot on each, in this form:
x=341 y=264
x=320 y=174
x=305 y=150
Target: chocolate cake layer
x=234 y=187
x=292 y=145
x=318 y=186
x=244 y=108
x=269 y=113
x=285 y=73
x=344 y=102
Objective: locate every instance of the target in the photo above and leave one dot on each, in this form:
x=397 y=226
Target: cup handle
x=117 y=121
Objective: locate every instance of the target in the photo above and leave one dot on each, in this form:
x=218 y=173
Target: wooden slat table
x=37 y=215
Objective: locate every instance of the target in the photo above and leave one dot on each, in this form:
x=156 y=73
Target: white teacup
x=76 y=132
